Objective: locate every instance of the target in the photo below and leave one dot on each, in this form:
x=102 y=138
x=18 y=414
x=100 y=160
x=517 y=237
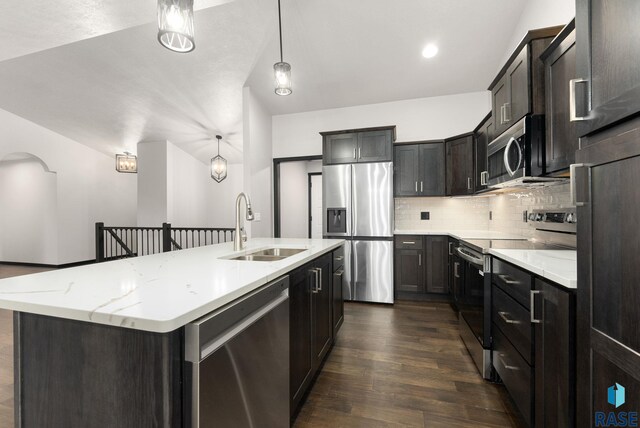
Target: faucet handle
x=243 y=235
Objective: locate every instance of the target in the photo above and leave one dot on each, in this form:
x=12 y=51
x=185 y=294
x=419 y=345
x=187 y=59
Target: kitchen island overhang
x=111 y=356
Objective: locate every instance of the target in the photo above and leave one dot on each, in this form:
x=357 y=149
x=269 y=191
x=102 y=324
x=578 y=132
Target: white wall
x=258 y=163
x=152 y=180
x=222 y=199
x=417 y=119
x=539 y=14
x=294 y=197
x=88 y=187
x=28 y=214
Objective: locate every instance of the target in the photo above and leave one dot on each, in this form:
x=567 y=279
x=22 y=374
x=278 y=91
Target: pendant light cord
x=280 y=27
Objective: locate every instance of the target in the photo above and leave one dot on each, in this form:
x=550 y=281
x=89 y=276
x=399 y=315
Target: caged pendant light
x=218 y=165
x=175 y=25
x=282 y=70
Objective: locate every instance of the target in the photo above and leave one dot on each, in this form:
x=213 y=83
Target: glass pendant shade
x=175 y=25
x=282 y=72
x=126 y=163
x=218 y=165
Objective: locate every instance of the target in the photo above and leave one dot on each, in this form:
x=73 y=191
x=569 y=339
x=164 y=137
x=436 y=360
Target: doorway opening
x=296 y=196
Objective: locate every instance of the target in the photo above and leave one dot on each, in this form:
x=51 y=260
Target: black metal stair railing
x=117 y=242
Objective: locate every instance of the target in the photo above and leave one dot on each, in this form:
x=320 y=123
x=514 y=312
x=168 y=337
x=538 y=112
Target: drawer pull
x=507 y=279
x=533 y=306
x=506 y=319
x=409 y=242
x=507 y=366
x=339 y=258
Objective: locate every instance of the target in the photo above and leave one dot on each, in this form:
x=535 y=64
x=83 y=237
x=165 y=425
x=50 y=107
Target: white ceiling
x=93 y=71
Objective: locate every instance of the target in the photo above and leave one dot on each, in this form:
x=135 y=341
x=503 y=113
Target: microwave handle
x=506 y=157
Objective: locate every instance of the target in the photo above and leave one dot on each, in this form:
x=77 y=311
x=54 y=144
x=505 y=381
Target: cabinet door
x=608 y=48
x=460 y=166
x=322 y=309
x=608 y=207
x=338 y=300
x=300 y=339
x=518 y=85
x=406 y=168
x=432 y=170
x=375 y=146
x=409 y=271
x=481 y=141
x=562 y=138
x=499 y=101
x=555 y=357
x=340 y=148
x=436 y=252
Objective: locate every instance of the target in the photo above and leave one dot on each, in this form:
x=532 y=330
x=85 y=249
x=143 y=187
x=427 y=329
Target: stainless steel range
x=472 y=265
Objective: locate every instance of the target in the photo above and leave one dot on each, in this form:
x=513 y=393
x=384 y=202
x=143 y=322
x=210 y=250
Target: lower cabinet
x=315 y=315
x=421 y=266
x=534 y=345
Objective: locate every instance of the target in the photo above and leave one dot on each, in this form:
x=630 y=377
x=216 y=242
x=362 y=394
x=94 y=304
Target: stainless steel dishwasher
x=237 y=362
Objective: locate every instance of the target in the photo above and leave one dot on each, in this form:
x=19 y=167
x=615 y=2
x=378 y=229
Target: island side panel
x=78 y=374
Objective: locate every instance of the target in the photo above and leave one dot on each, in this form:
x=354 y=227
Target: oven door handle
x=473 y=260
x=506 y=157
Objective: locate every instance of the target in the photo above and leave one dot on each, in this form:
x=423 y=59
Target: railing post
x=99 y=242
x=166 y=237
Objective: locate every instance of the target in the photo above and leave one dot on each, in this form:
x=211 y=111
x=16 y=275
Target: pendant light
x=282 y=70
x=218 y=165
x=126 y=162
x=175 y=25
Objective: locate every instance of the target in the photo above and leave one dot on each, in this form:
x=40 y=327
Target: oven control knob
x=532 y=216
x=571 y=218
x=539 y=217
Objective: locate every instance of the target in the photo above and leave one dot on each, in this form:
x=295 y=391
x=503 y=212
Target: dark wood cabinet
x=436 y=254
x=460 y=172
x=315 y=315
x=555 y=356
x=340 y=148
x=409 y=267
x=607 y=49
x=419 y=169
x=518 y=89
x=561 y=135
x=607 y=197
x=482 y=138
x=358 y=145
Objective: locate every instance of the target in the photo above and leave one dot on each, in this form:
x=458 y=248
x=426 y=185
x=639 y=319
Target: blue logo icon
x=615 y=395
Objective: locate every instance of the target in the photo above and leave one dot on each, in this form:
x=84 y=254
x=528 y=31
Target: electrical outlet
x=257 y=217
x=424 y=215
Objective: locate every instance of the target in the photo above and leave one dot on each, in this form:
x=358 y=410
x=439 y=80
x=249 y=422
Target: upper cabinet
x=607 y=51
x=561 y=140
x=482 y=138
x=419 y=169
x=460 y=169
x=366 y=145
x=519 y=87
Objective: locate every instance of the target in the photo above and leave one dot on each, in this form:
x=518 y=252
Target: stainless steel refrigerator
x=358 y=206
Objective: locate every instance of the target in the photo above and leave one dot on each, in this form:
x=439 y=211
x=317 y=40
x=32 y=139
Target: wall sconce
x=127 y=163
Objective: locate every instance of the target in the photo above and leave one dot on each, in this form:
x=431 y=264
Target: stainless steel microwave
x=516 y=158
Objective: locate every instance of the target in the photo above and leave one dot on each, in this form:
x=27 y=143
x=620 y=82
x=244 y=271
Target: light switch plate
x=424 y=215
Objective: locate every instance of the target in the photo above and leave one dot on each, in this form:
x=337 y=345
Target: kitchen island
x=104 y=344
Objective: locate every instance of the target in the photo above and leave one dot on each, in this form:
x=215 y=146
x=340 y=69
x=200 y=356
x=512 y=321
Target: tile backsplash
x=472 y=213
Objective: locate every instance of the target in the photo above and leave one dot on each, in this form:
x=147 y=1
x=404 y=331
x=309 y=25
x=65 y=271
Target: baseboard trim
x=44 y=265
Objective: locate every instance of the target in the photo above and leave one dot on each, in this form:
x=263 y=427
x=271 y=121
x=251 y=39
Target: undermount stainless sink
x=269 y=254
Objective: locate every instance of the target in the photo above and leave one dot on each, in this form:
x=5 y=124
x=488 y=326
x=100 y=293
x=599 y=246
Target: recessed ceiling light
x=430 y=51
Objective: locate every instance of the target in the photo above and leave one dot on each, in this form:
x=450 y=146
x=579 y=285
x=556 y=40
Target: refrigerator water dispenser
x=336 y=220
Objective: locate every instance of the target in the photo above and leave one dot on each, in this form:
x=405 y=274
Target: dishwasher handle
x=207 y=335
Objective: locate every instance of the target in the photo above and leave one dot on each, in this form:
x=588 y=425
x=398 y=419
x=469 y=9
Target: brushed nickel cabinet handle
x=419 y=259
x=507 y=366
x=416 y=187
x=573 y=117
x=409 y=242
x=532 y=302
x=421 y=188
x=506 y=319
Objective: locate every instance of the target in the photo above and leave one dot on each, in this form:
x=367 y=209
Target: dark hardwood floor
x=401 y=365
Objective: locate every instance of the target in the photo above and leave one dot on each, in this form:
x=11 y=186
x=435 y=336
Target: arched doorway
x=28 y=210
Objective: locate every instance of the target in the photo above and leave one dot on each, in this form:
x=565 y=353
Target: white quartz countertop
x=559 y=266
x=462 y=234
x=157 y=293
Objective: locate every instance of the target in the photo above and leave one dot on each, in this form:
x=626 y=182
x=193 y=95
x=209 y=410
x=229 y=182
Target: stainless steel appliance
x=516 y=158
x=238 y=362
x=358 y=205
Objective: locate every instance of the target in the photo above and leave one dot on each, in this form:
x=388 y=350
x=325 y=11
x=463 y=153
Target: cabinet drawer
x=409 y=242
x=338 y=258
x=515 y=373
x=515 y=282
x=514 y=322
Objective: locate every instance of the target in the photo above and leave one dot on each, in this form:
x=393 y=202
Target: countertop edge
x=567 y=283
